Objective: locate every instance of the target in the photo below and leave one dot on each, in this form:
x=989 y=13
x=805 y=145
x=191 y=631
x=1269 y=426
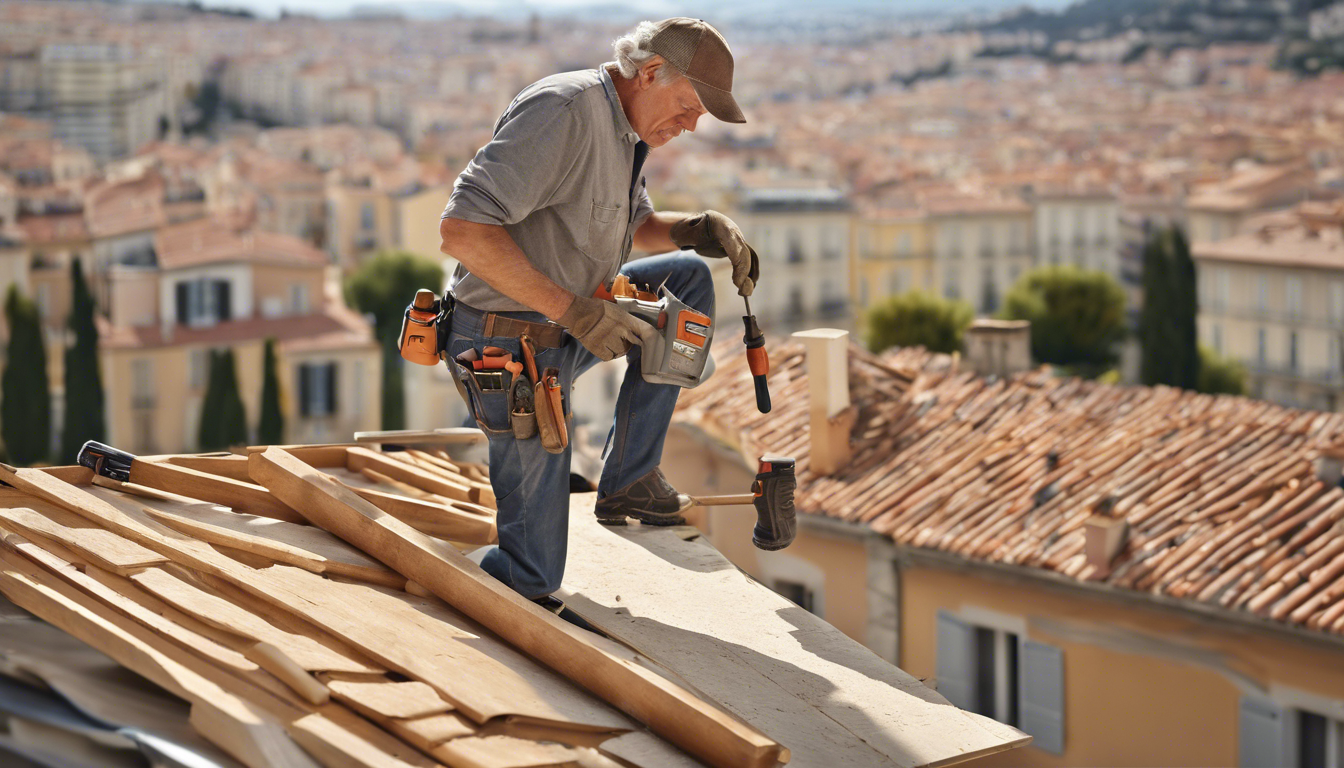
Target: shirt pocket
x=606 y=231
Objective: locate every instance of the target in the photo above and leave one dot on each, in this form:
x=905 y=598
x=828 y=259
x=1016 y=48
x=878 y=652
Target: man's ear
x=647 y=73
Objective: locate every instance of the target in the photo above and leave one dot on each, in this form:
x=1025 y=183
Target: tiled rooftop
x=1221 y=493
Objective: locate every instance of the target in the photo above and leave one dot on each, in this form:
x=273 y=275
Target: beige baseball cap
x=700 y=53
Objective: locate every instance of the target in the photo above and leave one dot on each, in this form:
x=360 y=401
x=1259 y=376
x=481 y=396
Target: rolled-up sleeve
x=643 y=207
x=522 y=166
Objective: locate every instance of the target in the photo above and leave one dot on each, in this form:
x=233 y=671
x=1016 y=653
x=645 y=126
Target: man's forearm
x=488 y=252
x=654 y=235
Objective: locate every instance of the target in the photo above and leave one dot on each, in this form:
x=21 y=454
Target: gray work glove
x=603 y=328
x=712 y=234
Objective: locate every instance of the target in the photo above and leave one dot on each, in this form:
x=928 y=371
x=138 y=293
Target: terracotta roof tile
x=1220 y=492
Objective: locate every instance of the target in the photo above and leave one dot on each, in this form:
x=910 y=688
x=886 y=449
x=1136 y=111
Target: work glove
x=605 y=329
x=712 y=234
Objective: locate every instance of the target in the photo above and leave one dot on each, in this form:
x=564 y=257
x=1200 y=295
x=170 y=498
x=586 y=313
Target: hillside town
x=206 y=199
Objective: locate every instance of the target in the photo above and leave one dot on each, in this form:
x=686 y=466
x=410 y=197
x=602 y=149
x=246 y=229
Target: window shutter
x=1041 y=692
x=331 y=388
x=305 y=388
x=956 y=661
x=1260 y=735
x=182 y=303
x=222 y=299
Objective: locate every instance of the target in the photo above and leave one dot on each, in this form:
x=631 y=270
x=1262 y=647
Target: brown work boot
x=650 y=500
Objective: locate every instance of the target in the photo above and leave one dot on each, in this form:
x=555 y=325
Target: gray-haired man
x=544 y=216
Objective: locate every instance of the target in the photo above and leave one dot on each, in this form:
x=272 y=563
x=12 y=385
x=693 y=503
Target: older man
x=543 y=217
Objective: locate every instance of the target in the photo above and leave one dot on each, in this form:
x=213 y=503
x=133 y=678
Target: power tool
x=680 y=353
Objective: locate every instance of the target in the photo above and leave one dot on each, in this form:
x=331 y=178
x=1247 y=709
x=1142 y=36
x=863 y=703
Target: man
x=544 y=216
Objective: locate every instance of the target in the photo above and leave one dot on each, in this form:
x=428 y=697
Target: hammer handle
x=746 y=499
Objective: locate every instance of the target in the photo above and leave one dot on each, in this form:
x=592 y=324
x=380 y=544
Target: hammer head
x=775 y=520
x=106 y=460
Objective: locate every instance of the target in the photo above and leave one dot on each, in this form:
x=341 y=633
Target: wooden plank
x=174 y=669
x=322 y=456
x=308 y=653
x=362 y=458
x=474 y=525
x=443 y=436
x=386 y=698
x=450 y=472
x=227 y=465
x=75 y=475
x=429 y=732
x=647 y=751
x=275 y=661
x=480 y=676
x=160 y=621
x=105 y=548
x=609 y=670
x=504 y=752
x=832 y=701
x=237 y=495
x=305 y=546
x=256 y=738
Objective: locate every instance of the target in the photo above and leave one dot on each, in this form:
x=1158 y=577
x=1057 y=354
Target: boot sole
x=646 y=518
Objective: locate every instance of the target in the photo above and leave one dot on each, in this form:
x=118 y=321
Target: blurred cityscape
x=210 y=217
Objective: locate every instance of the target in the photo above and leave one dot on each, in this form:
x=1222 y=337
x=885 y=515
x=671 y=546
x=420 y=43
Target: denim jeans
x=531 y=485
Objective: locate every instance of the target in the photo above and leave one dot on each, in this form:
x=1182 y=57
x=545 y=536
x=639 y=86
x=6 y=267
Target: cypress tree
x=233 y=419
x=1185 y=306
x=207 y=432
x=25 y=398
x=1155 y=364
x=1168 y=324
x=84 y=417
x=271 y=429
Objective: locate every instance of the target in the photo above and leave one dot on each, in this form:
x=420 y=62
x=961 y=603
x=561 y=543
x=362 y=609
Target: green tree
x=1077 y=316
x=917 y=319
x=84 y=417
x=25 y=398
x=223 y=420
x=1220 y=375
x=382 y=287
x=271 y=429
x=1167 y=324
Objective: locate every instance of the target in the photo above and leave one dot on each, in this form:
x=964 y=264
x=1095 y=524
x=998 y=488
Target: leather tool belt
x=548 y=335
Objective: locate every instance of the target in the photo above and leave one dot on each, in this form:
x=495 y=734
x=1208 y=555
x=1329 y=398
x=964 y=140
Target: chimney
x=1329 y=465
x=832 y=418
x=1104 y=537
x=998 y=347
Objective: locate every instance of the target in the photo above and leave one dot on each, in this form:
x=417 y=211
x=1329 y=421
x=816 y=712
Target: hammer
x=772 y=496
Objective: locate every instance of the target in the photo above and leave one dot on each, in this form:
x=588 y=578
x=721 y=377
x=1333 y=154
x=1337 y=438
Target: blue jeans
x=531 y=485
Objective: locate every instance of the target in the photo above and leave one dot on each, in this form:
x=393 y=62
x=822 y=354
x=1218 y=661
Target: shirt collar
x=623 y=128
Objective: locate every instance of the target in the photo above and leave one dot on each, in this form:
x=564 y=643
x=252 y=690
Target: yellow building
x=1274 y=300
x=214 y=286
x=1062 y=556
x=892 y=254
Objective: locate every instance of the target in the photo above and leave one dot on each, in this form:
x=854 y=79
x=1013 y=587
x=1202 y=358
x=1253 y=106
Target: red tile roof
x=335 y=329
x=1220 y=492
x=213 y=241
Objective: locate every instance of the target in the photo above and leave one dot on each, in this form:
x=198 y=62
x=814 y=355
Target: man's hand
x=603 y=328
x=712 y=234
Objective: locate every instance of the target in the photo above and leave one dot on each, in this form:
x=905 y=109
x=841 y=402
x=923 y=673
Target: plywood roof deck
x=295 y=645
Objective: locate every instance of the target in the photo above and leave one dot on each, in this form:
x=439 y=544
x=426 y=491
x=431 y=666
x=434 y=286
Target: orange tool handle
x=758 y=361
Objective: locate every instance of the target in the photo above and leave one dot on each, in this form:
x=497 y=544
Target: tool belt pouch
x=550 y=413
x=522 y=412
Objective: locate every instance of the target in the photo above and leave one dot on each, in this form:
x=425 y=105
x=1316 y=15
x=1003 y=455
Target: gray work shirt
x=556 y=176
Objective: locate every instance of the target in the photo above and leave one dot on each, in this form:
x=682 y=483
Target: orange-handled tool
x=757 y=360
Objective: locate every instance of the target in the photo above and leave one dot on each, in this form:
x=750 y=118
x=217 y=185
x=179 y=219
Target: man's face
x=659 y=113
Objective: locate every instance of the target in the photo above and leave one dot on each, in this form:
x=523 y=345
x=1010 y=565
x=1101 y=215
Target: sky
x=271 y=8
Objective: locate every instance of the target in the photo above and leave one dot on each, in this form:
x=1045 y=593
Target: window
x=952 y=284
x=198 y=366
x=1337 y=302
x=1318 y=741
x=204 y=301
x=1217 y=331
x=1292 y=296
x=994 y=671
x=798 y=593
x=317 y=389
x=989 y=292
x=142 y=382
x=298 y=299
x=1292 y=351
x=366 y=217
x=1336 y=346
x=1260 y=346
x=357 y=402
x=795 y=247
x=1221 y=288
x=796 y=301
x=903 y=244
x=986 y=241
x=1262 y=293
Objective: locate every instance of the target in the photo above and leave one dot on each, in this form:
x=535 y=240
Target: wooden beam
x=230 y=465
x=102 y=547
x=608 y=670
x=445 y=522
x=432 y=437
x=237 y=495
x=363 y=458
x=321 y=456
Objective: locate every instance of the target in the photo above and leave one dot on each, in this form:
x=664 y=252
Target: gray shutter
x=182 y=303
x=1260 y=735
x=305 y=388
x=331 y=389
x=223 y=292
x=1041 y=692
x=956 y=661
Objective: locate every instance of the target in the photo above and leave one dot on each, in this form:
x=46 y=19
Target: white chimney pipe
x=828 y=396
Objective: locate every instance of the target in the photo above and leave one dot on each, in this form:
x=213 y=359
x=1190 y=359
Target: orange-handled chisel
x=757 y=360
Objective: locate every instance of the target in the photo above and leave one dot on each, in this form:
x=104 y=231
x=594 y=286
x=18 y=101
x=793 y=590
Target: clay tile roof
x=213 y=241
x=118 y=207
x=332 y=329
x=54 y=228
x=1222 y=499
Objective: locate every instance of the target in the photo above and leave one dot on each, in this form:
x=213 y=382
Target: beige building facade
x=892 y=254
x=980 y=247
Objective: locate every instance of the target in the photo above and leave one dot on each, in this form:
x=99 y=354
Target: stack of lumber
x=311 y=606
